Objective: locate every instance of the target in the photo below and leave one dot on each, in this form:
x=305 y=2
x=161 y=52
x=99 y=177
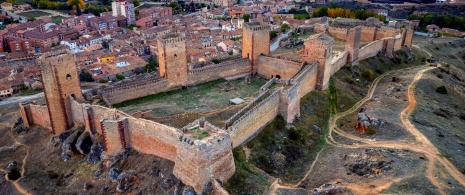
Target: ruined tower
x=353 y=43
x=319 y=48
x=172 y=58
x=60 y=80
x=255 y=41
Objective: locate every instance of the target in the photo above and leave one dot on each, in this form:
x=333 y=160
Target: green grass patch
x=33 y=14
x=57 y=19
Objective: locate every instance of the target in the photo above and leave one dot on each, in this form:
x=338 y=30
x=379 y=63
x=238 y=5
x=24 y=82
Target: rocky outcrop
x=84 y=143
x=68 y=147
x=366 y=124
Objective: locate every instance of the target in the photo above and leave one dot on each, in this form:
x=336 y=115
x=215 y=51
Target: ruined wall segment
x=255 y=41
x=60 y=80
x=33 y=114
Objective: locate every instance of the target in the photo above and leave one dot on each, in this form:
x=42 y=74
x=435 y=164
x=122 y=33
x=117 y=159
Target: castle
x=198 y=162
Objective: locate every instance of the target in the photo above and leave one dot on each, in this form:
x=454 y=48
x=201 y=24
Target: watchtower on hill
x=60 y=80
x=172 y=58
x=255 y=41
x=319 y=48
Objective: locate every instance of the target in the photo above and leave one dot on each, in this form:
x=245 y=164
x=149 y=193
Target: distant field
x=57 y=19
x=33 y=14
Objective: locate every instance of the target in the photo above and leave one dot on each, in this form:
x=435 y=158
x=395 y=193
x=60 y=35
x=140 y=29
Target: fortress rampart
x=198 y=162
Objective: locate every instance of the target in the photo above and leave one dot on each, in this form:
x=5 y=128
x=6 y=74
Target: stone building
x=60 y=80
x=319 y=48
x=255 y=42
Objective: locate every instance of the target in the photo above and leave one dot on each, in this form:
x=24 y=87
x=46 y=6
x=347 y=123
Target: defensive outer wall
x=198 y=162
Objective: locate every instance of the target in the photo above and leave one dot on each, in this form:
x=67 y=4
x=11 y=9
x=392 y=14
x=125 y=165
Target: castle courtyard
x=181 y=106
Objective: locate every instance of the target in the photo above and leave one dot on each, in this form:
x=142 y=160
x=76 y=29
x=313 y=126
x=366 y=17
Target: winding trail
x=421 y=145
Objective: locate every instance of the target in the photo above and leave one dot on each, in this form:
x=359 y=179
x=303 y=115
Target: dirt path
x=422 y=144
x=15 y=183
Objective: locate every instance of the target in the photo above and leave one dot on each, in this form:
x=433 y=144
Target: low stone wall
x=224 y=69
x=339 y=61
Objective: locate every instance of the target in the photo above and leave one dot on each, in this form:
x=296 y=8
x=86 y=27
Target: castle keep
x=198 y=162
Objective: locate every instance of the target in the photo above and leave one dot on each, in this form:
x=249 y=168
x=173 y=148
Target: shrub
x=379 y=71
x=14 y=174
x=441 y=90
x=371 y=130
x=120 y=77
x=439 y=75
x=103 y=81
x=349 y=79
x=368 y=74
x=462 y=116
x=437 y=48
x=215 y=61
x=397 y=60
x=85 y=76
x=381 y=60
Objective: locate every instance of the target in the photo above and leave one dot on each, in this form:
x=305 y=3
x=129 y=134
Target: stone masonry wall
x=371 y=49
x=382 y=33
x=270 y=67
x=338 y=61
x=307 y=79
x=338 y=33
x=202 y=161
x=224 y=69
x=133 y=89
x=35 y=115
x=254 y=120
x=368 y=33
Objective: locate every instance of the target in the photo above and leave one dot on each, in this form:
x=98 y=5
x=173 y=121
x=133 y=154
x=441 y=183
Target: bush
x=371 y=130
x=368 y=74
x=103 y=81
x=462 y=116
x=439 y=75
x=14 y=174
x=349 y=79
x=215 y=61
x=120 y=77
x=379 y=71
x=85 y=76
x=397 y=60
x=437 y=48
x=441 y=90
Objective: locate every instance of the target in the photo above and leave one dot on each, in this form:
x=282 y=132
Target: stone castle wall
x=249 y=124
x=269 y=67
x=371 y=49
x=339 y=61
x=368 y=33
x=224 y=69
x=35 y=114
x=338 y=33
x=382 y=33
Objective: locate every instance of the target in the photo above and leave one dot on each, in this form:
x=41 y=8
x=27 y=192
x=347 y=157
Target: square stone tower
x=353 y=43
x=319 y=48
x=60 y=80
x=255 y=41
x=172 y=58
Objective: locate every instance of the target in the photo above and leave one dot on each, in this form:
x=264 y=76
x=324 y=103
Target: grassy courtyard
x=33 y=14
x=211 y=99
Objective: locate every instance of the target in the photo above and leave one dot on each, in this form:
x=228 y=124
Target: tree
x=152 y=65
x=77 y=5
x=105 y=45
x=285 y=27
x=273 y=34
x=120 y=77
x=136 y=3
x=230 y=53
x=368 y=74
x=246 y=17
x=85 y=76
x=441 y=90
x=173 y=5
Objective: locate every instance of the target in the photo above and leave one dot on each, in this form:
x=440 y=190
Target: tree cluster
x=152 y=65
x=448 y=20
x=360 y=14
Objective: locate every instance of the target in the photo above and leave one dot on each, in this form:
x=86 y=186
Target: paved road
x=15 y=100
x=275 y=44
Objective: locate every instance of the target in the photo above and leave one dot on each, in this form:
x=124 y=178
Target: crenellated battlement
x=170 y=39
x=256 y=26
x=224 y=64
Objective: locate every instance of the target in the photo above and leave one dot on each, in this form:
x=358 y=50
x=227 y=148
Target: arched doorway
x=278 y=77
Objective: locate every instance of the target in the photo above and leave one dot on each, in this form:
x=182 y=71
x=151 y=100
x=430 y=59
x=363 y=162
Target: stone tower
x=353 y=43
x=255 y=41
x=172 y=58
x=319 y=48
x=60 y=80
